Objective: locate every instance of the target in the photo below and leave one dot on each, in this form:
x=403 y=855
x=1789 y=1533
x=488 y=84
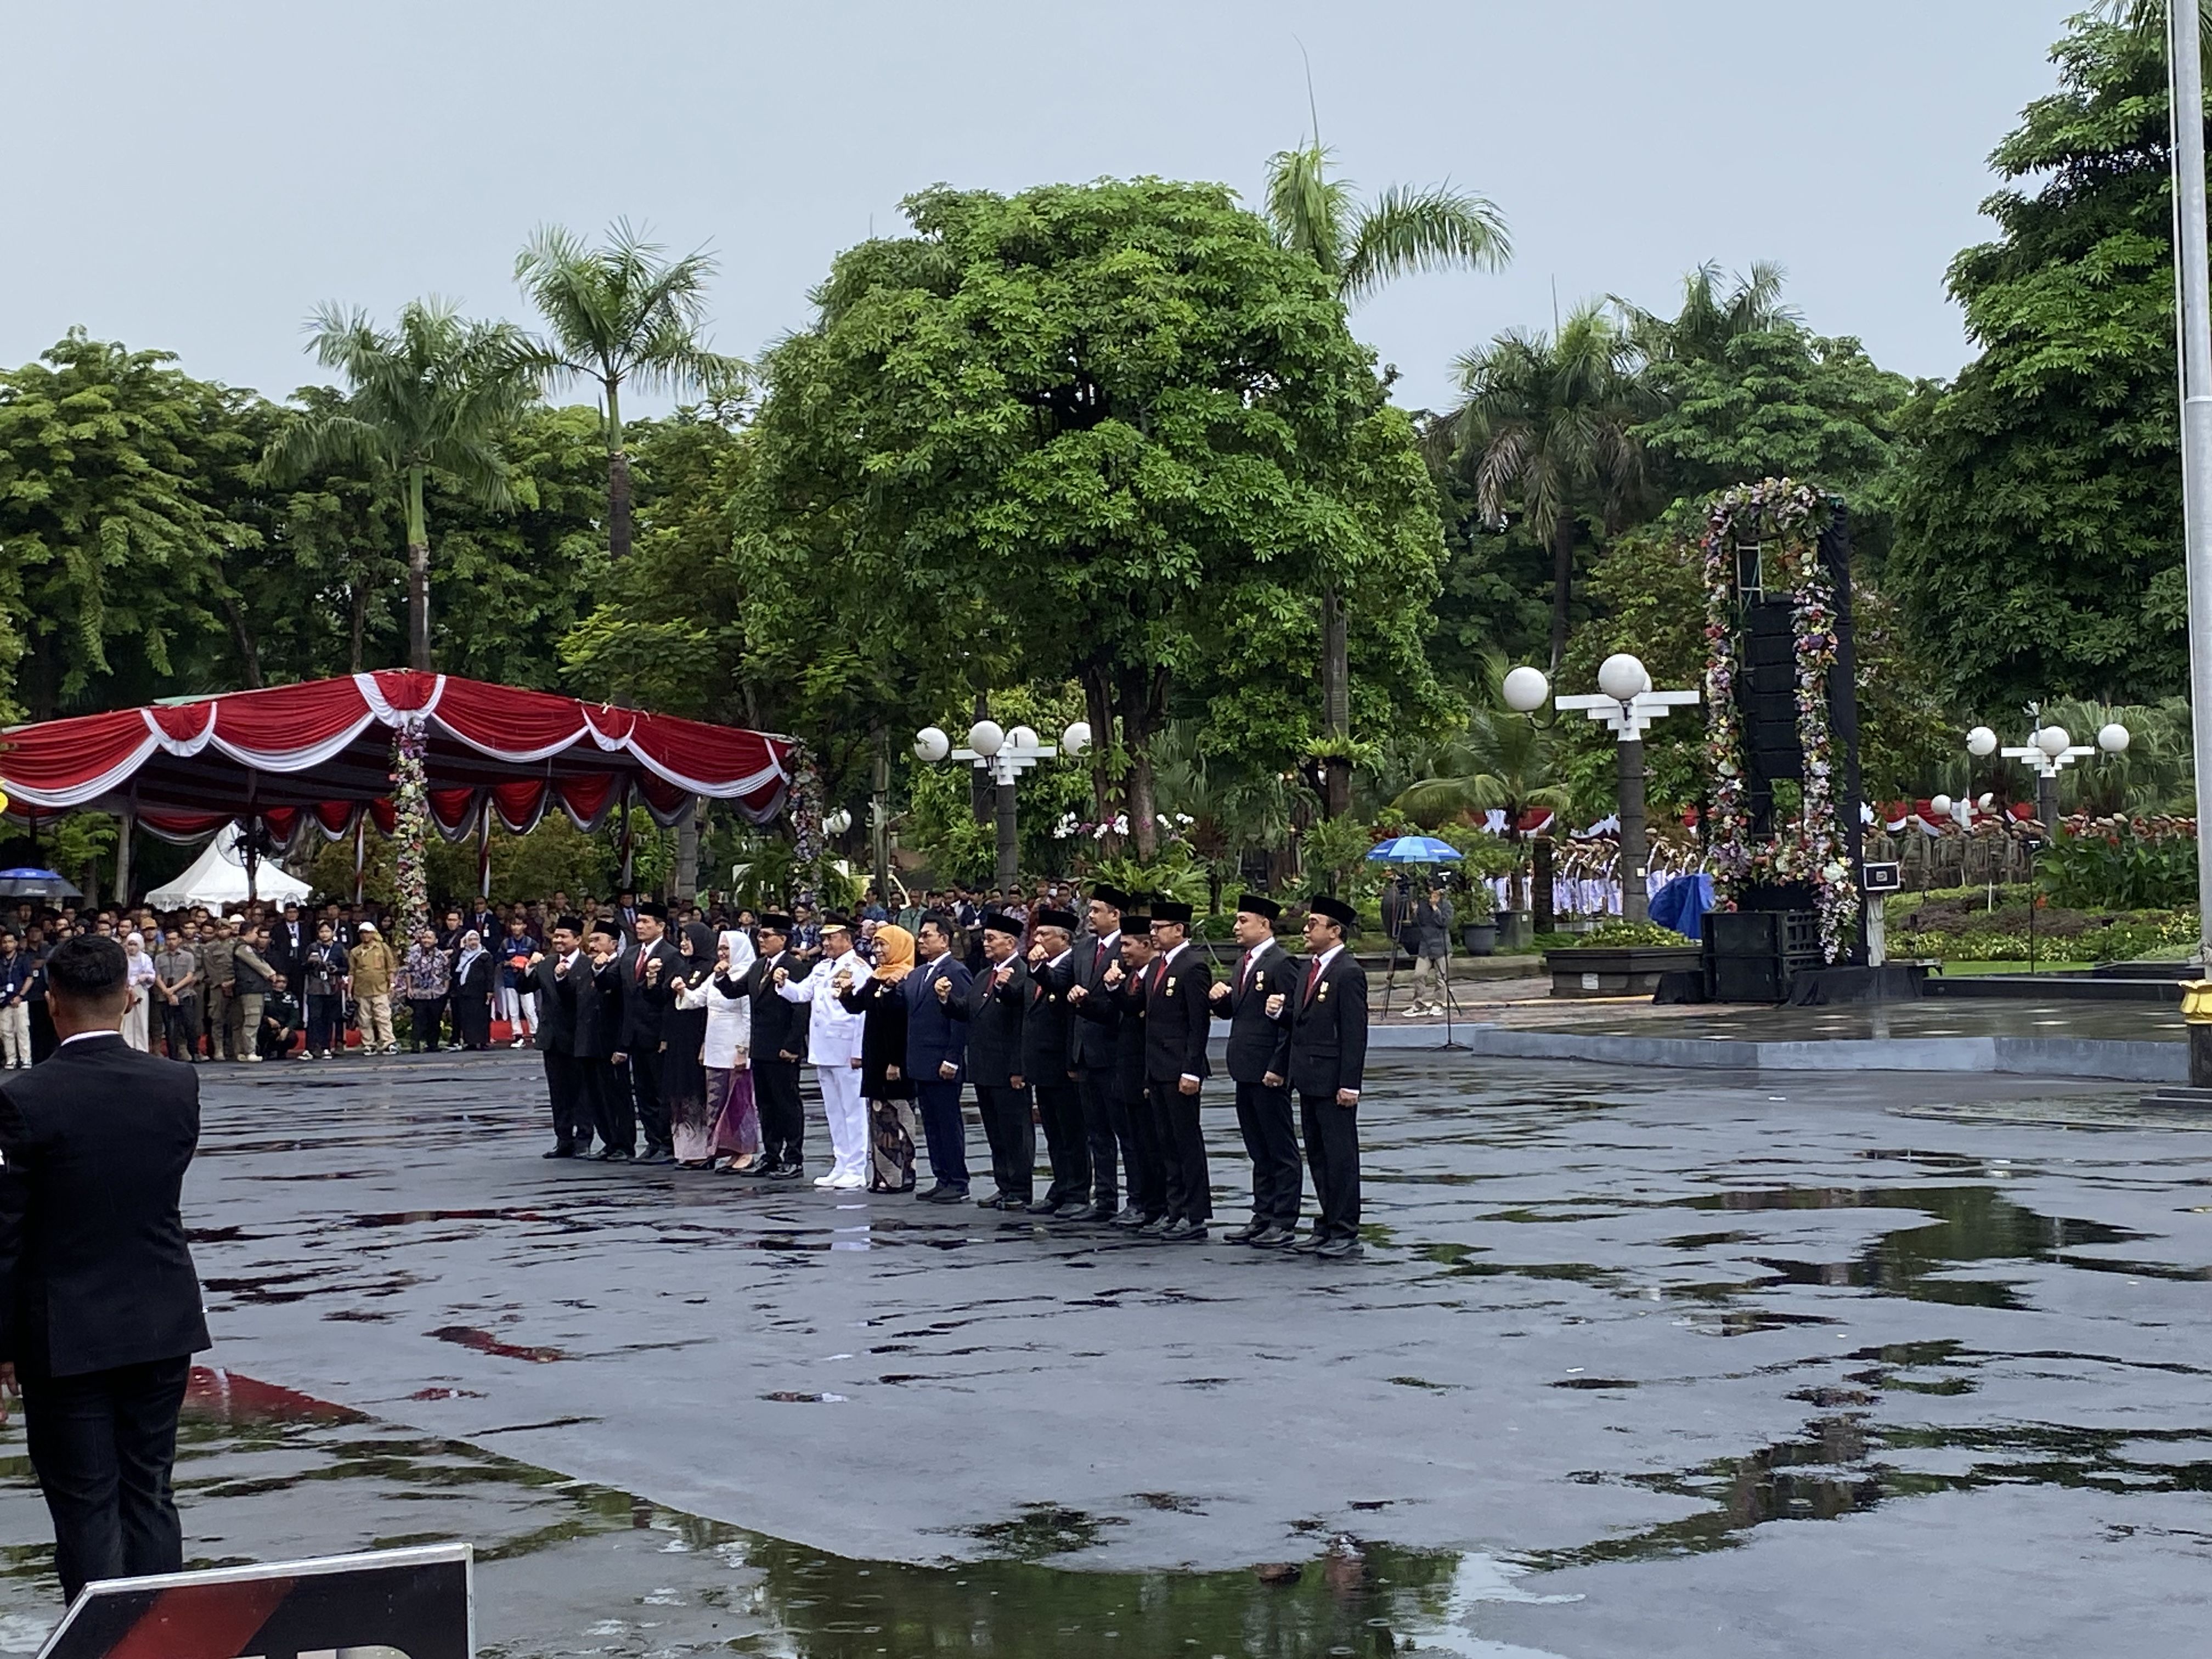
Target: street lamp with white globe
x=1003 y=756
x=1626 y=702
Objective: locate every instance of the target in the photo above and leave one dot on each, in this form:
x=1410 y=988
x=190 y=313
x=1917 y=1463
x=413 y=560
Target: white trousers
x=848 y=1118
x=518 y=1007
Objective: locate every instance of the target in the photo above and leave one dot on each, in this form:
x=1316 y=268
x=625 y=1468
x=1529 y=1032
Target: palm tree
x=434 y=395
x=622 y=314
x=1709 y=319
x=1502 y=760
x=2148 y=17
x=1360 y=246
x=1549 y=423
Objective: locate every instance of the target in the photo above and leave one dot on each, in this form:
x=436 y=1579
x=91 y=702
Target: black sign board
x=389 y=1604
x=1879 y=878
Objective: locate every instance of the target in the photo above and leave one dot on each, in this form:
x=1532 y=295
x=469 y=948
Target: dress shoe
x=829 y=1180
x=787 y=1172
x=847 y=1183
x=944 y=1194
x=560 y=1151
x=1076 y=1211
x=1339 y=1250
x=1130 y=1217
x=658 y=1155
x=758 y=1170
x=1154 y=1227
x=617 y=1155
x=1271 y=1238
x=1244 y=1235
x=1310 y=1243
x=1183 y=1232
x=1043 y=1206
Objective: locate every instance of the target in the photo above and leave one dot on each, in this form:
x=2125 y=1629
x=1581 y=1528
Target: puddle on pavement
x=569 y=1568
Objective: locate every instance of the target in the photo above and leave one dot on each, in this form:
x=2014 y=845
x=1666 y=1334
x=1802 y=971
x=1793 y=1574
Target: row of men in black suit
x=1105 y=1028
x=600 y=1005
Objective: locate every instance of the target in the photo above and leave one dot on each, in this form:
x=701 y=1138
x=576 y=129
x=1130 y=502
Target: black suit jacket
x=1328 y=1029
x=610 y=1000
x=646 y=1001
x=1093 y=1039
x=95 y=1271
x=1048 y=1034
x=567 y=1008
x=1257 y=1044
x=993 y=1013
x=779 y=1027
x=1176 y=1017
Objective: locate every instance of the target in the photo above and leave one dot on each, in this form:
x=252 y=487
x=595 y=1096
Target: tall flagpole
x=2192 y=265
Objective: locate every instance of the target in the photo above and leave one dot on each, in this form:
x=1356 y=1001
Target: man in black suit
x=993 y=1009
x=99 y=1304
x=567 y=1036
x=1116 y=1005
x=779 y=1047
x=1327 y=1011
x=607 y=1082
x=1176 y=1024
x=1260 y=1065
x=937 y=1055
x=287 y=944
x=1049 y=1062
x=649 y=970
x=1091 y=1048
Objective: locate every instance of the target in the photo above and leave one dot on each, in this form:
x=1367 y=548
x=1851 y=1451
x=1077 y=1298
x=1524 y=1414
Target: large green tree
x=1360 y=246
x=2039 y=532
x=429 y=399
x=112 y=537
x=1742 y=390
x=622 y=315
x=1546 y=428
x=1111 y=431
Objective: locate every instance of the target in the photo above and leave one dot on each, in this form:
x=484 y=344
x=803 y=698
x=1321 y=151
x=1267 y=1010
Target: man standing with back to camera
x=99 y=1302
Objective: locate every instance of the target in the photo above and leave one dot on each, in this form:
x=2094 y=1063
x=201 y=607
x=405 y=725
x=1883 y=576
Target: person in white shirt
x=833 y=1048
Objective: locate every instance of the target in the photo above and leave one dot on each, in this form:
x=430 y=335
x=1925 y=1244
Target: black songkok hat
x=1336 y=910
x=999 y=922
x=658 y=912
x=1106 y=893
x=1171 y=910
x=774 y=921
x=574 y=924
x=1260 y=905
x=1064 y=920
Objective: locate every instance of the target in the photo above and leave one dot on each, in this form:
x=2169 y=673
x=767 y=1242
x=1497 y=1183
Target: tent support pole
x=483 y=848
x=359 y=849
x=125 y=821
x=253 y=848
x=628 y=884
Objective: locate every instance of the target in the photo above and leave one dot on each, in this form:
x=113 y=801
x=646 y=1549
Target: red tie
x=641 y=967
x=1244 y=971
x=1313 y=977
x=1160 y=973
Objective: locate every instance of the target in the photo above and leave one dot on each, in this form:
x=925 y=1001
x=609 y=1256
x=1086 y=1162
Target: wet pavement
x=1636 y=1364
x=1945 y=1016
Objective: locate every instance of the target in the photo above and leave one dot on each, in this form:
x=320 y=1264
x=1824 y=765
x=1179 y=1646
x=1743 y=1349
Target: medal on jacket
x=1168 y=990
x=1320 y=992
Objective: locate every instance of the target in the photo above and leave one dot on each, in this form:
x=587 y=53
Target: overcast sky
x=197 y=177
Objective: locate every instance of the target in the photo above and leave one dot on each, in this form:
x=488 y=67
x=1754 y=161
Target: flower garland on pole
x=1784 y=514
x=411 y=801
x=806 y=834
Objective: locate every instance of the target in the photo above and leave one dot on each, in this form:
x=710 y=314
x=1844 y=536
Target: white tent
x=217 y=878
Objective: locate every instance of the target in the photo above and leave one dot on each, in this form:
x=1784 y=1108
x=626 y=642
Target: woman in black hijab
x=683 y=1036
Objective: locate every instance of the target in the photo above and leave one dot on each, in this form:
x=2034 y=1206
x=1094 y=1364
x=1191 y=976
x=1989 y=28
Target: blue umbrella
x=24 y=882
x=1413 y=849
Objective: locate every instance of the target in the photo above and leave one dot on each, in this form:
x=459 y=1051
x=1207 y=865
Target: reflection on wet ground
x=1881 y=1022
x=1924 y=1322
x=568 y=1567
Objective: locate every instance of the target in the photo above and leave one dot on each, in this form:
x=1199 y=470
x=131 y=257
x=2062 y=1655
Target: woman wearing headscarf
x=880 y=1000
x=474 y=975
x=728 y=1059
x=683 y=1042
x=425 y=976
x=140 y=967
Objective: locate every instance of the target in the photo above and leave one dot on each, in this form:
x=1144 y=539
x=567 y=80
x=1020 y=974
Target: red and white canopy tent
x=326 y=754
